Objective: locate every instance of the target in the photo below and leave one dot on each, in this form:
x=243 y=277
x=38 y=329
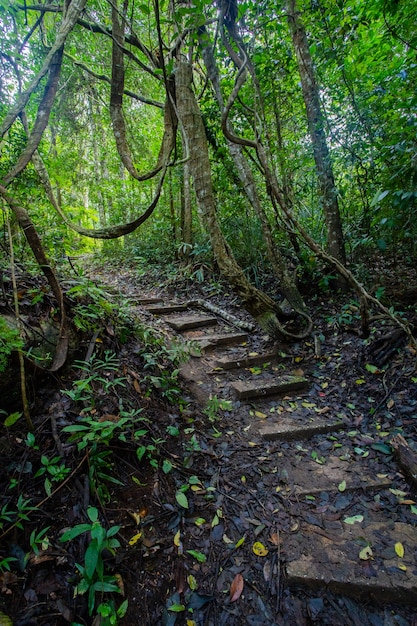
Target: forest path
x=309 y=507
x=367 y=554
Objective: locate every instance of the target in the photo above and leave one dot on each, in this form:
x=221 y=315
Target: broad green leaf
x=181 y=498
x=70 y=534
x=381 y=447
x=10 y=420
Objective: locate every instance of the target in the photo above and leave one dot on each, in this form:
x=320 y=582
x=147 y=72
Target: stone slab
x=331 y=561
x=244 y=361
x=166 y=308
x=149 y=300
x=191 y=321
x=211 y=341
x=327 y=477
x=292 y=429
x=282 y=384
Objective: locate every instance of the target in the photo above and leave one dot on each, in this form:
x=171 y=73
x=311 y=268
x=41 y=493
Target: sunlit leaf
x=240 y=542
x=399 y=549
x=260 y=414
x=192 y=583
x=236 y=588
x=354 y=519
x=177 y=538
x=366 y=553
x=342 y=486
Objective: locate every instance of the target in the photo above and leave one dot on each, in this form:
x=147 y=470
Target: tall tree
x=327 y=186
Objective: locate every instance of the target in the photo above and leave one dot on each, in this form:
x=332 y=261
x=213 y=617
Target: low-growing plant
x=55 y=471
x=92 y=577
x=10 y=341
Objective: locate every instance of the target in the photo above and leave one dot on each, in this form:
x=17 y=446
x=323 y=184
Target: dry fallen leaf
x=236 y=588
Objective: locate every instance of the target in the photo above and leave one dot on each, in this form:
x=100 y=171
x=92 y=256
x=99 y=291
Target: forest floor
x=237 y=501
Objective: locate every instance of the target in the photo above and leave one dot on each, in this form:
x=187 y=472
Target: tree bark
x=327 y=187
x=257 y=303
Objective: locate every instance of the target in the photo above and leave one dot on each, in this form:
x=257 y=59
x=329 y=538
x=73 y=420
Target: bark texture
x=328 y=192
x=258 y=304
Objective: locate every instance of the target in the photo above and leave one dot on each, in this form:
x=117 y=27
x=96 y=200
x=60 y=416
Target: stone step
x=166 y=309
x=290 y=428
x=330 y=560
x=311 y=478
x=189 y=322
x=244 y=361
x=257 y=389
x=206 y=342
x=149 y=300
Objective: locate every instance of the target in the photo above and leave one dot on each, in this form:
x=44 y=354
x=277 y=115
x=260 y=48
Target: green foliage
x=93 y=579
x=55 y=471
x=10 y=341
x=97 y=375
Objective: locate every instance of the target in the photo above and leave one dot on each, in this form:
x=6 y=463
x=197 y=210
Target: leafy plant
x=96 y=378
x=10 y=341
x=93 y=579
x=214 y=405
x=55 y=471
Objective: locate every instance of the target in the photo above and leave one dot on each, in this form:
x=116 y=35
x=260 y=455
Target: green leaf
x=181 y=498
x=354 y=519
x=166 y=466
x=371 y=368
x=382 y=447
x=199 y=556
x=70 y=534
x=342 y=486
x=176 y=608
x=91 y=558
x=12 y=419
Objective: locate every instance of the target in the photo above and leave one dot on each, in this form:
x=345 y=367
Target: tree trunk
x=259 y=305
x=328 y=193
x=287 y=284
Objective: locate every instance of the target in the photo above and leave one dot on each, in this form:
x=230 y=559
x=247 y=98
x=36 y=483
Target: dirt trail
x=310 y=508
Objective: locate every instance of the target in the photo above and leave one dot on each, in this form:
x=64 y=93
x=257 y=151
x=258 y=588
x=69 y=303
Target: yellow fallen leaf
x=260 y=414
x=177 y=539
x=252 y=444
x=253 y=353
x=399 y=549
x=259 y=549
x=402 y=567
x=135 y=539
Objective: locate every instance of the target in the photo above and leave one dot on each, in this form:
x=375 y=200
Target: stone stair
x=314 y=556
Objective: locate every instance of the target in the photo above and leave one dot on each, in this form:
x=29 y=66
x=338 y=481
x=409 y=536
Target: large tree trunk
x=328 y=193
x=259 y=305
